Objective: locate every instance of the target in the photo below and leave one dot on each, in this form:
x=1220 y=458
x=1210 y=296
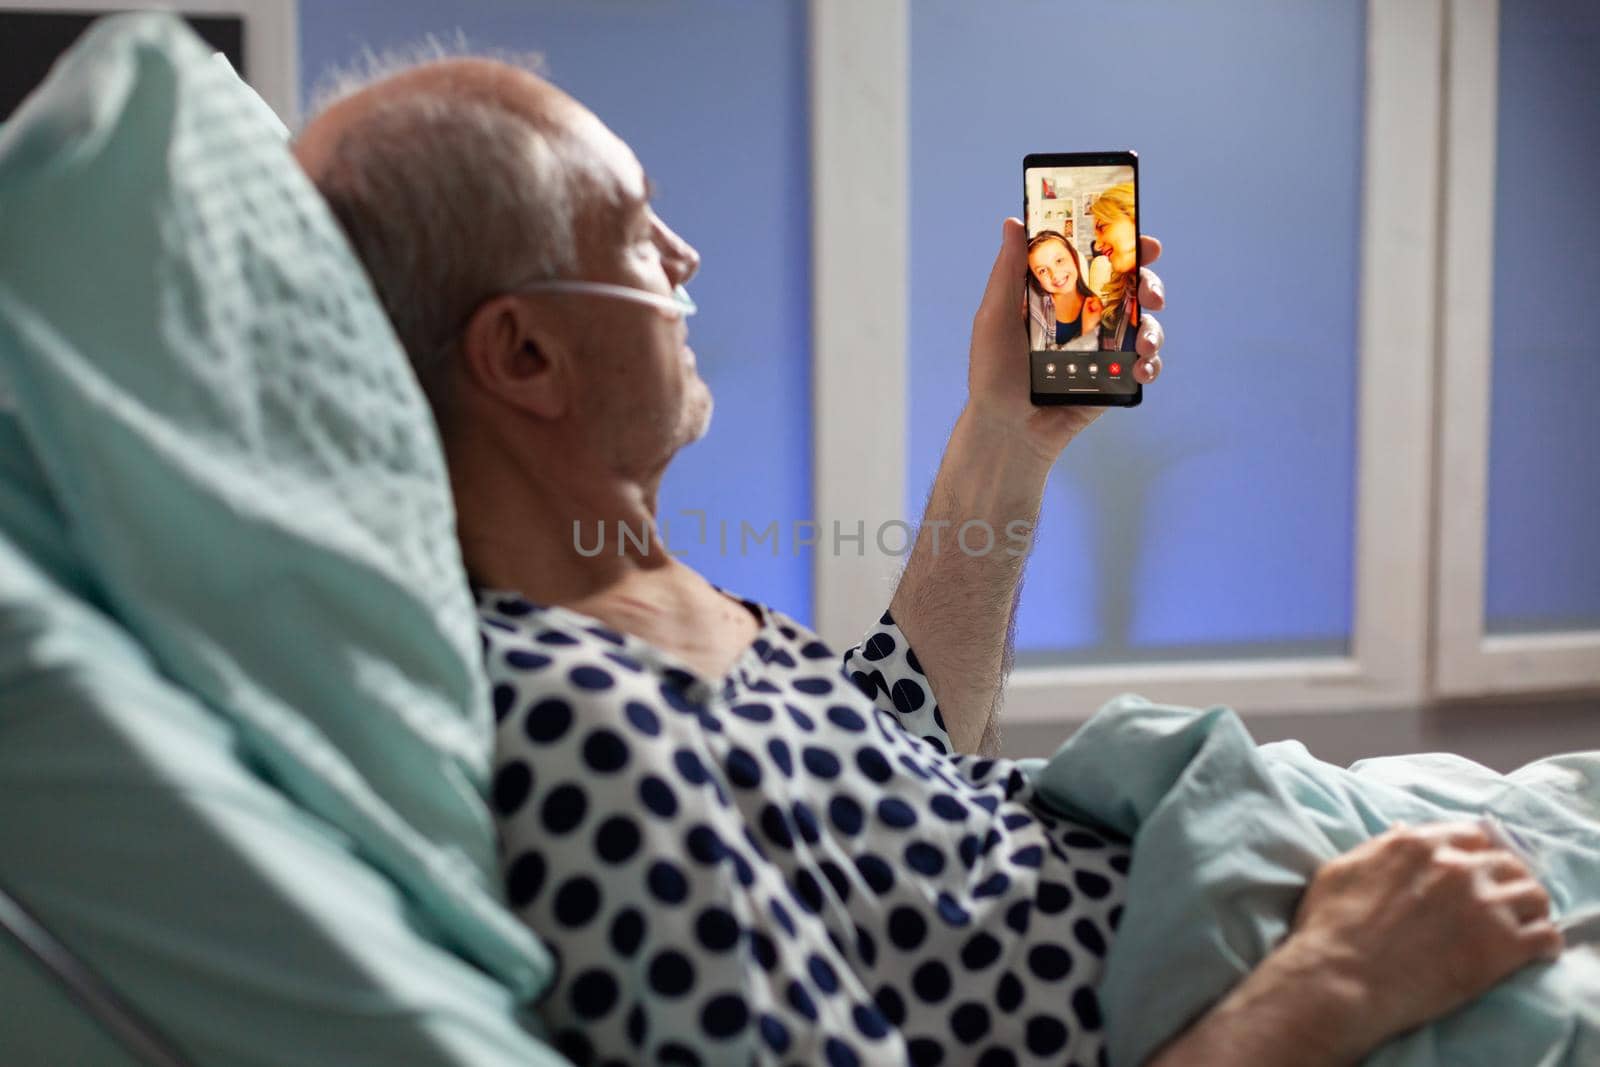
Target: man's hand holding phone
x=997 y=380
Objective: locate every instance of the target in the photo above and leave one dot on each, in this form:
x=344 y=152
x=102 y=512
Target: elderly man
x=738 y=850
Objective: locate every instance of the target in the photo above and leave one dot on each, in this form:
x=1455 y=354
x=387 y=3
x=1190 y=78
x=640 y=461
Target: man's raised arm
x=956 y=601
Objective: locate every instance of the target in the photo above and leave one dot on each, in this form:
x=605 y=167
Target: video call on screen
x=1083 y=278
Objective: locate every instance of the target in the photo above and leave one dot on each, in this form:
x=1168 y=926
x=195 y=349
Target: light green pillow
x=245 y=928
x=214 y=412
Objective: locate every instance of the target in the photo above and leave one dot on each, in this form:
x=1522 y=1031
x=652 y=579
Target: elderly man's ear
x=508 y=353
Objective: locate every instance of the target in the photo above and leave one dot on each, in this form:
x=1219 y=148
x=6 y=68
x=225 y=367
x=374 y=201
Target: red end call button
x=1115 y=369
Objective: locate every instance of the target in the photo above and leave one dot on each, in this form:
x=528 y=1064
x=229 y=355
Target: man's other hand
x=1420 y=920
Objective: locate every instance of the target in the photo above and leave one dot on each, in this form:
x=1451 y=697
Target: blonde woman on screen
x=1116 y=241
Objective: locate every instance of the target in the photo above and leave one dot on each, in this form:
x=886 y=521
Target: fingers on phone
x=1150 y=337
x=1147 y=370
x=1149 y=249
x=1010 y=268
x=1152 y=293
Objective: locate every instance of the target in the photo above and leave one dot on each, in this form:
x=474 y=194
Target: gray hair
x=448 y=199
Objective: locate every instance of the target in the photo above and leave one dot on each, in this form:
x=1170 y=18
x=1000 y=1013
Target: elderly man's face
x=640 y=391
x=626 y=377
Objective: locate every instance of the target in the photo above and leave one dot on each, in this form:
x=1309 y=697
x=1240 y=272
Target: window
x=1273 y=546
x=257 y=36
x=1519 y=499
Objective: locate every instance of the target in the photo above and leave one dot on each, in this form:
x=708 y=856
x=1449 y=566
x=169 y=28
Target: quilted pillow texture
x=244 y=928
x=217 y=451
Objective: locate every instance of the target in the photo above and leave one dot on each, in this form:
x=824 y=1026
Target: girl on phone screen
x=1064 y=312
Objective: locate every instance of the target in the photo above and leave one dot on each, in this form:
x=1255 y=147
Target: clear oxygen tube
x=678 y=304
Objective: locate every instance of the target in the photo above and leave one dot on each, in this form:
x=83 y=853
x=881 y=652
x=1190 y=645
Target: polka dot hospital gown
x=777 y=867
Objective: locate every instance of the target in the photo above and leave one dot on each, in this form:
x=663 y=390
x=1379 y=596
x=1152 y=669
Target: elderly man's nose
x=681 y=258
x=685 y=260
x=692 y=259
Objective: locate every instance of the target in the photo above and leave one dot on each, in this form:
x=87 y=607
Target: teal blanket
x=1227 y=834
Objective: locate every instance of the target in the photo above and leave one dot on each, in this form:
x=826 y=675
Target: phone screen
x=1082 y=220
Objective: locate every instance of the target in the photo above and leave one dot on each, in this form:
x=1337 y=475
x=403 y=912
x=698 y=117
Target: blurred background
x=1363 y=502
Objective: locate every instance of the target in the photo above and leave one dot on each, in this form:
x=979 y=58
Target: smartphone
x=1081 y=213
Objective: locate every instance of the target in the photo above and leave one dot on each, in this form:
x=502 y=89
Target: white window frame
x=1468 y=661
x=271 y=39
x=860 y=106
x=860 y=118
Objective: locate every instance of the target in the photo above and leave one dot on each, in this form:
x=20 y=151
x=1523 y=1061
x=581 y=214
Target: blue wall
x=712 y=96
x=1219 y=516
x=1544 y=460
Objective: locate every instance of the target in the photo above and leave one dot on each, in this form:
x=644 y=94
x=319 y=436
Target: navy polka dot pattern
x=786 y=864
